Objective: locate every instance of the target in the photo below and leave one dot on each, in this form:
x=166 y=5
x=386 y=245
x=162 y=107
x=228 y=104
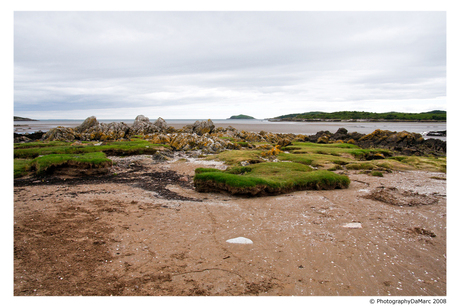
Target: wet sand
x=145 y=231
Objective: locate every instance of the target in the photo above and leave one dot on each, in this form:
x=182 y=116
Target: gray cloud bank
x=217 y=64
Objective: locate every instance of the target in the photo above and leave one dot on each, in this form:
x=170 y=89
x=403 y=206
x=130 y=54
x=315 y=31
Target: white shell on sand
x=352 y=225
x=240 y=240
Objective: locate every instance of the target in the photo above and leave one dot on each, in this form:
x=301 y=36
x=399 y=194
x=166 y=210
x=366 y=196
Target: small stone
x=240 y=240
x=352 y=225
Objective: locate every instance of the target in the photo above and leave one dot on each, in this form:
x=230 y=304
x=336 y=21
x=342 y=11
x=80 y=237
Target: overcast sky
x=117 y=65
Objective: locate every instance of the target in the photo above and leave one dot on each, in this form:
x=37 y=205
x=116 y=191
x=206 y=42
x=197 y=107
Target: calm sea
x=307 y=128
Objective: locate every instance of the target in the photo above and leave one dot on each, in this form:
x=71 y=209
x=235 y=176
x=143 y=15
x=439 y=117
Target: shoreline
x=305 y=128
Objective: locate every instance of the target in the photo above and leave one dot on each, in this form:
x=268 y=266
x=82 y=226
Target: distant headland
x=18 y=118
x=241 y=116
x=435 y=115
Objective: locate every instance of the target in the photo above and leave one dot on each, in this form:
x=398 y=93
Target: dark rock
x=318 y=135
x=22 y=139
x=437 y=133
x=29 y=137
x=341 y=135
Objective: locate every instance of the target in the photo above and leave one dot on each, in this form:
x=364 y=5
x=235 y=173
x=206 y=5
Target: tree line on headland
x=436 y=115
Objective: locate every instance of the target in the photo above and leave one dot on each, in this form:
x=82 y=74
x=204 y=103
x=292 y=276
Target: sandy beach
x=144 y=230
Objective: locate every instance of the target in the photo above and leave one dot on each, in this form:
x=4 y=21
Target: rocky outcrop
x=59 y=134
x=403 y=142
x=102 y=132
x=206 y=143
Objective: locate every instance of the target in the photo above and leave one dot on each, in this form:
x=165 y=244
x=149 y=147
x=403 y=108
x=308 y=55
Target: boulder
x=183 y=141
x=34 y=136
x=324 y=139
x=141 y=119
x=22 y=139
x=143 y=126
x=59 y=134
x=437 y=133
x=407 y=143
x=87 y=123
x=161 y=124
x=159 y=138
x=205 y=143
x=251 y=137
x=320 y=134
x=114 y=131
x=341 y=135
x=203 y=127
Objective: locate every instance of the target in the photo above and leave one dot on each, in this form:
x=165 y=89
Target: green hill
x=241 y=116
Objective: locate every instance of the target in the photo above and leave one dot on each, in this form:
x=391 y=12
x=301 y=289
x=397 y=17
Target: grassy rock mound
x=71 y=164
x=267 y=178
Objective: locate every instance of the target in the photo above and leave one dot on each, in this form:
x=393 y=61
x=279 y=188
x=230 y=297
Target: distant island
x=435 y=115
x=241 y=116
x=18 y=118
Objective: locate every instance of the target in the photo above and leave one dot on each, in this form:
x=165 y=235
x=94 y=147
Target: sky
x=215 y=64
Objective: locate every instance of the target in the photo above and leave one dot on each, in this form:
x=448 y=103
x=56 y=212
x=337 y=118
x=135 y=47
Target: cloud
x=220 y=63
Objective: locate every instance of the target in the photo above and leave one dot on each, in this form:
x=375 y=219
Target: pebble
x=240 y=240
x=352 y=225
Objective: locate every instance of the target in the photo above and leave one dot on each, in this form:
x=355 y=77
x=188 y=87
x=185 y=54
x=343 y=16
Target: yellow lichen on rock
x=324 y=139
x=274 y=151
